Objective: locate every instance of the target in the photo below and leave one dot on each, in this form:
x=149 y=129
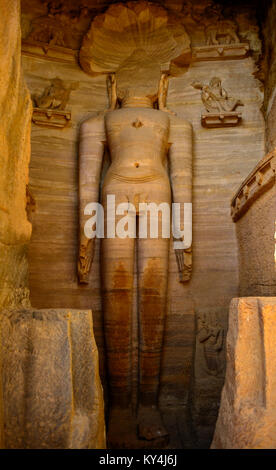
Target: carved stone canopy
x=134 y=26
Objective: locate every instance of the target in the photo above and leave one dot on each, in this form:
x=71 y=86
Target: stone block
x=51 y=394
x=247 y=416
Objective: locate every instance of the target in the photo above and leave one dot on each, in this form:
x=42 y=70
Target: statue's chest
x=137 y=122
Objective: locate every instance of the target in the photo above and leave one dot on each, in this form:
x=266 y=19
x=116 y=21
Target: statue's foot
x=150 y=424
x=122 y=428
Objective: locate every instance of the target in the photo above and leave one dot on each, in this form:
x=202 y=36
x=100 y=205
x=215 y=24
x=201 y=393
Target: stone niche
x=222 y=157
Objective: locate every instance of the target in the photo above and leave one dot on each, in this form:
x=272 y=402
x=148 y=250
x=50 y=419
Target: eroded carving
x=219 y=34
x=219 y=30
x=61 y=26
x=58 y=34
x=210 y=335
x=184 y=264
x=219 y=105
x=55 y=96
x=259 y=181
x=50 y=107
x=169 y=40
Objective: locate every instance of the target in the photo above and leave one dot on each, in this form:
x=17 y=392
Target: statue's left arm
x=180 y=157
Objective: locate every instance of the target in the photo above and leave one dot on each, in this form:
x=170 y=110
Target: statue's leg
x=152 y=282
x=117 y=263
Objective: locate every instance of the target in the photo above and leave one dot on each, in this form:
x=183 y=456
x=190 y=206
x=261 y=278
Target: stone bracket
x=199 y=53
x=220 y=52
x=48 y=52
x=229 y=119
x=51 y=118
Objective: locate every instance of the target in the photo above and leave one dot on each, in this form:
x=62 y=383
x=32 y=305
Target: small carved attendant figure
x=215 y=98
x=211 y=335
x=219 y=30
x=55 y=96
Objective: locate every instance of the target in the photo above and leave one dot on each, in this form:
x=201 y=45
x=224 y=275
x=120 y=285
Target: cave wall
x=50 y=389
x=253 y=206
x=222 y=158
x=15 y=126
x=269 y=68
x=255 y=228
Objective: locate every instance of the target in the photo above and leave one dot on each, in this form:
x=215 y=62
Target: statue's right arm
x=91 y=151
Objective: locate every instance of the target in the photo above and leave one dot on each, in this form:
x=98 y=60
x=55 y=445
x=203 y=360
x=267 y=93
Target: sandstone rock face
x=222 y=158
x=247 y=413
x=254 y=211
x=269 y=65
x=208 y=376
x=129 y=26
x=15 y=111
x=50 y=391
x=50 y=385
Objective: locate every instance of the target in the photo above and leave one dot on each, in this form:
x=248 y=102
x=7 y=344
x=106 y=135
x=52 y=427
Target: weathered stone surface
x=221 y=159
x=15 y=111
x=51 y=394
x=254 y=211
x=131 y=27
x=269 y=72
x=247 y=413
x=208 y=376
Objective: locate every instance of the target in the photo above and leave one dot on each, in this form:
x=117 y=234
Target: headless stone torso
x=139 y=143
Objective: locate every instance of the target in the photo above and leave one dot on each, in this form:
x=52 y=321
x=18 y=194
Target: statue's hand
x=83 y=277
x=184 y=263
x=86 y=252
x=179 y=254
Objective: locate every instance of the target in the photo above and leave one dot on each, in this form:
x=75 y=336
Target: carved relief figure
x=61 y=26
x=55 y=96
x=211 y=335
x=223 y=32
x=219 y=30
x=215 y=98
x=143 y=138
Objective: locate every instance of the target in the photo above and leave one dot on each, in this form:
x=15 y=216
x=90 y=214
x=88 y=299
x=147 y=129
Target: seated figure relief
x=49 y=110
x=55 y=96
x=215 y=98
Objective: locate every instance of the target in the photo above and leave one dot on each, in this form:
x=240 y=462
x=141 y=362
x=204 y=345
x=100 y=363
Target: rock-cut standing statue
x=150 y=161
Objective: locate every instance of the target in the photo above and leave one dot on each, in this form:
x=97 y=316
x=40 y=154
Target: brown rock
x=222 y=159
x=51 y=390
x=253 y=210
x=247 y=413
x=15 y=111
x=128 y=25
